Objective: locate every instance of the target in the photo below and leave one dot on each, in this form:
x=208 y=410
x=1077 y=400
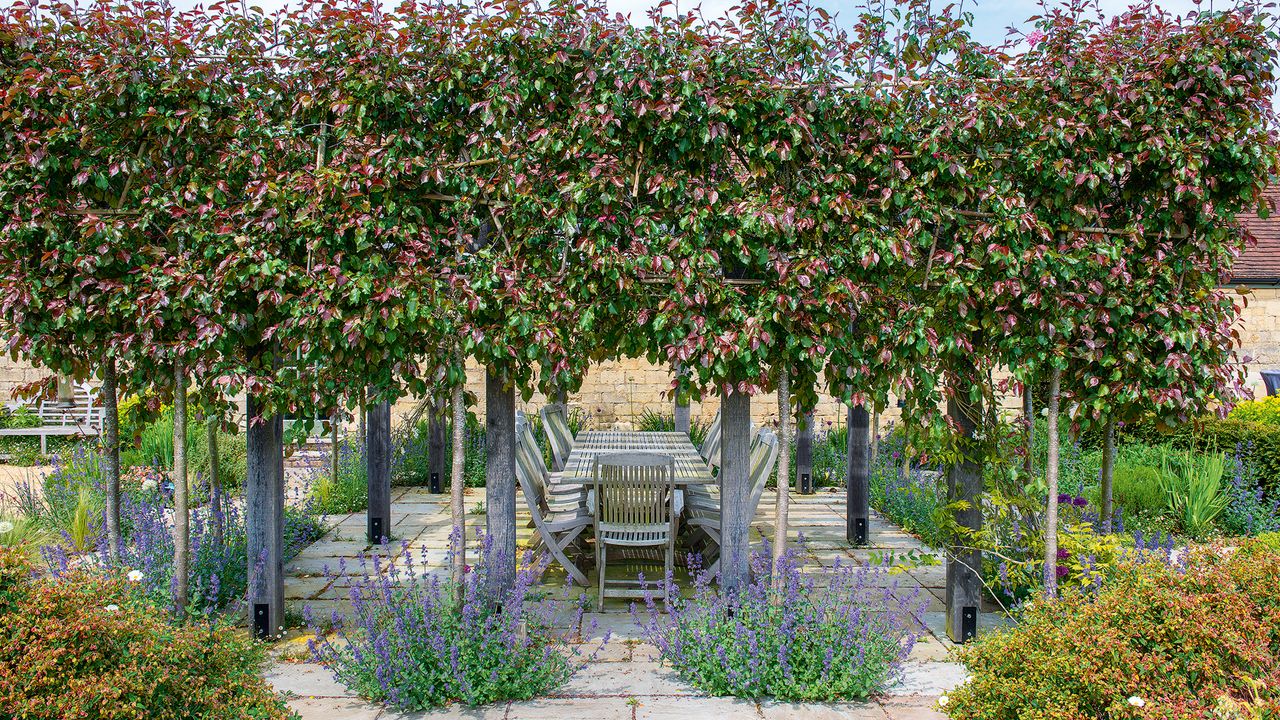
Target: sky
x=992 y=18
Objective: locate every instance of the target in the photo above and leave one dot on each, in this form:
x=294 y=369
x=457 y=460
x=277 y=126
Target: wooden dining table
x=690 y=468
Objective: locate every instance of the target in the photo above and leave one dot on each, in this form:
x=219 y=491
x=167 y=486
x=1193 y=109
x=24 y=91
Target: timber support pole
x=857 y=487
x=964 y=482
x=264 y=520
x=500 y=481
x=378 y=465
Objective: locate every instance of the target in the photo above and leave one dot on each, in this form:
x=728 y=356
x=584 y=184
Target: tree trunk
x=1108 y=473
x=857 y=487
x=964 y=483
x=500 y=482
x=784 y=481
x=1029 y=416
x=181 y=501
x=335 y=456
x=378 y=469
x=111 y=457
x=735 y=491
x=264 y=519
x=875 y=438
x=457 y=483
x=1051 y=479
x=218 y=518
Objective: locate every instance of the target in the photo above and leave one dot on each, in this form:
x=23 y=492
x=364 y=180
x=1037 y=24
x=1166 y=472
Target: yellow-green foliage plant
x=1265 y=410
x=1155 y=641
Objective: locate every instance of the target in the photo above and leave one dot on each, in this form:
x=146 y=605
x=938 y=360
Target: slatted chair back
x=555 y=423
x=634 y=494
x=710 y=450
x=764 y=455
x=556 y=534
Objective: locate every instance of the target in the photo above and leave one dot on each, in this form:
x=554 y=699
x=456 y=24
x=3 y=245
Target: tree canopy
x=346 y=195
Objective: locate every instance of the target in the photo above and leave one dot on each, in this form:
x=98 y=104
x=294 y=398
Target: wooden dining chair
x=555 y=423
x=703 y=511
x=559 y=517
x=634 y=498
x=710 y=449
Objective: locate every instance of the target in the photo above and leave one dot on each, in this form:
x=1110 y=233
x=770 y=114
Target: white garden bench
x=82 y=419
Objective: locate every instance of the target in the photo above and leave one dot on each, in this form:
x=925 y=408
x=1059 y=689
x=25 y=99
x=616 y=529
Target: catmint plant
x=839 y=635
x=414 y=640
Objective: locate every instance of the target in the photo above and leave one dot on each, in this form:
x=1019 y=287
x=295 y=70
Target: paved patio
x=625 y=680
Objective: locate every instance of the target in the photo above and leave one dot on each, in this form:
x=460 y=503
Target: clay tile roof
x=1261 y=263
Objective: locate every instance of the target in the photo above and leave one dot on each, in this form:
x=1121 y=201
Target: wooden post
x=682 y=418
x=500 y=480
x=804 y=454
x=735 y=491
x=964 y=482
x=264 y=520
x=435 y=445
x=857 y=498
x=377 y=457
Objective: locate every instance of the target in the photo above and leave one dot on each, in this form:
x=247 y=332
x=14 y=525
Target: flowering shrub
x=912 y=502
x=412 y=642
x=1153 y=642
x=1248 y=510
x=89 y=645
x=800 y=642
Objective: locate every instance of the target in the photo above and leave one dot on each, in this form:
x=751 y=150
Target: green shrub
x=652 y=421
x=21 y=450
x=88 y=645
x=1266 y=410
x=1258 y=442
x=1175 y=640
x=1137 y=489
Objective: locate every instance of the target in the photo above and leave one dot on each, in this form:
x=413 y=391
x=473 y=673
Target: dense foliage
x=90 y=645
x=773 y=189
x=791 y=641
x=416 y=642
x=1154 y=642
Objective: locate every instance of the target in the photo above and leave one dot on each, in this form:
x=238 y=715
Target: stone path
x=625 y=680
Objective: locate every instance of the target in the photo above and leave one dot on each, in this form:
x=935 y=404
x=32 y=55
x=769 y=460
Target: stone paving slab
x=821 y=711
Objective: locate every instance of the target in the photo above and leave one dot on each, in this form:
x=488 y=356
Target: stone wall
x=1260 y=334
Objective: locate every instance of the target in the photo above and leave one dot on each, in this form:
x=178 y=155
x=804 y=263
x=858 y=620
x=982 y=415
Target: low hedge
x=1153 y=642
x=1259 y=442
